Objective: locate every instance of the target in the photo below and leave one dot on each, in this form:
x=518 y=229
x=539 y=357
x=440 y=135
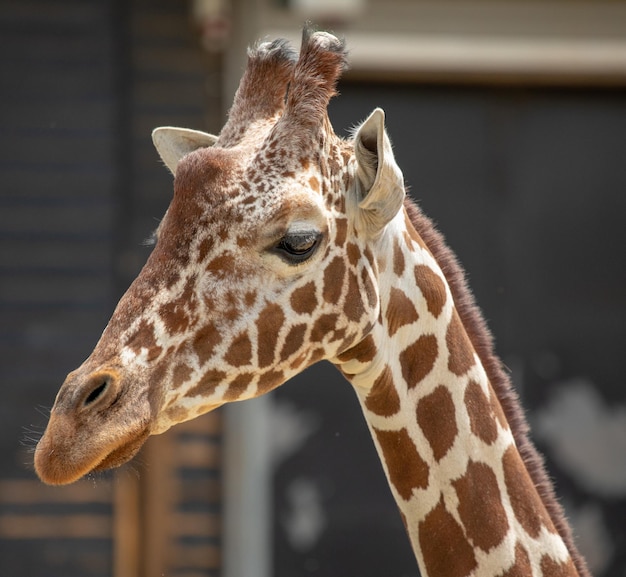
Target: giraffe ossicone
x=284 y=245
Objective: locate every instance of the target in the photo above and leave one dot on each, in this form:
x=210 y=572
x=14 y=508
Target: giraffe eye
x=297 y=247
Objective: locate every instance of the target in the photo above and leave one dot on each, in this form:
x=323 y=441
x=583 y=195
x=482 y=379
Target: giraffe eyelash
x=296 y=248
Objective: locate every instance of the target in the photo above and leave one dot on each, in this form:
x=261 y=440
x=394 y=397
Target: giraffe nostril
x=96 y=393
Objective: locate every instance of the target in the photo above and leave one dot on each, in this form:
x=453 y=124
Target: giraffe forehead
x=208 y=172
x=247 y=186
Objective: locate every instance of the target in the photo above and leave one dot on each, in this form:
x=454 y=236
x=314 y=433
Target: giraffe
x=283 y=245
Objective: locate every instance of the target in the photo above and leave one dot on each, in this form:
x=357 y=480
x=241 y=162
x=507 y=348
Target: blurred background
x=509 y=121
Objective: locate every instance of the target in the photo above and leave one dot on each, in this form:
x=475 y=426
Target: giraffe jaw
x=61 y=458
x=96 y=423
x=123 y=453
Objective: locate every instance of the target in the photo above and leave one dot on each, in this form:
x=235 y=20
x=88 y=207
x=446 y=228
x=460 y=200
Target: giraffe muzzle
x=95 y=424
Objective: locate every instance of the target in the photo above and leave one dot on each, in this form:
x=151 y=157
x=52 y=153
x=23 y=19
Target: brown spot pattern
x=400 y=311
x=142 y=338
x=333 y=280
x=181 y=373
x=407 y=470
x=206 y=386
x=461 y=351
x=496 y=407
x=249 y=298
x=479 y=409
x=368 y=287
x=269 y=323
x=204 y=247
x=204 y=342
x=303 y=299
x=316 y=355
x=222 y=266
x=432 y=288
x=418 y=359
x=363 y=351
x=174 y=317
x=383 y=398
x=552 y=568
x=177 y=414
x=367 y=253
x=293 y=341
x=173 y=314
x=480 y=506
x=342 y=231
x=398 y=259
x=240 y=351
x=353 y=307
x=270 y=380
x=324 y=326
x=298 y=361
x=436 y=417
x=526 y=503
x=450 y=554
x=237 y=386
x=521 y=567
x=354 y=254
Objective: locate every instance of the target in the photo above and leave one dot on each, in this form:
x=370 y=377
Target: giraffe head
x=262 y=264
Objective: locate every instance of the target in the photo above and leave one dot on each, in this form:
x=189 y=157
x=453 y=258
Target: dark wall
x=529 y=188
x=82 y=85
x=58 y=132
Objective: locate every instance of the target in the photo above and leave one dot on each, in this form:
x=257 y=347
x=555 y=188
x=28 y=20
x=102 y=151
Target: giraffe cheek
x=293 y=341
x=269 y=381
x=304 y=299
x=237 y=387
x=354 y=307
x=334 y=280
x=204 y=342
x=143 y=342
x=369 y=288
x=269 y=324
x=240 y=351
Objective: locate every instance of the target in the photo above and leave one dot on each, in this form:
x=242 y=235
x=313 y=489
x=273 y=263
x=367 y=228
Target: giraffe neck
x=465 y=494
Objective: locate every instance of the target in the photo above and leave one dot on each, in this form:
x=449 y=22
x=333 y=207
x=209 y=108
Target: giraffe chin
x=122 y=454
x=61 y=463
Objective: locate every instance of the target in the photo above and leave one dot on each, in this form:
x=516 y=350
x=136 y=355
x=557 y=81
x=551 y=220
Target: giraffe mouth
x=62 y=457
x=123 y=453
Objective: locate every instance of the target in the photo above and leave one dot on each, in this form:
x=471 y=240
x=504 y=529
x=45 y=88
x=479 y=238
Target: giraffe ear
x=174 y=143
x=380 y=184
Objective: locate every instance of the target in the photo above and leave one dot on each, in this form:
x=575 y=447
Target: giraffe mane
x=482 y=341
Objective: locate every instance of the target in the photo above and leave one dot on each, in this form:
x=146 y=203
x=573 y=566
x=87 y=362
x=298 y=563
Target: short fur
x=482 y=341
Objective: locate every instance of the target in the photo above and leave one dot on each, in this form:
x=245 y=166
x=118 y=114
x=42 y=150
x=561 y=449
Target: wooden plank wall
x=83 y=83
x=56 y=285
